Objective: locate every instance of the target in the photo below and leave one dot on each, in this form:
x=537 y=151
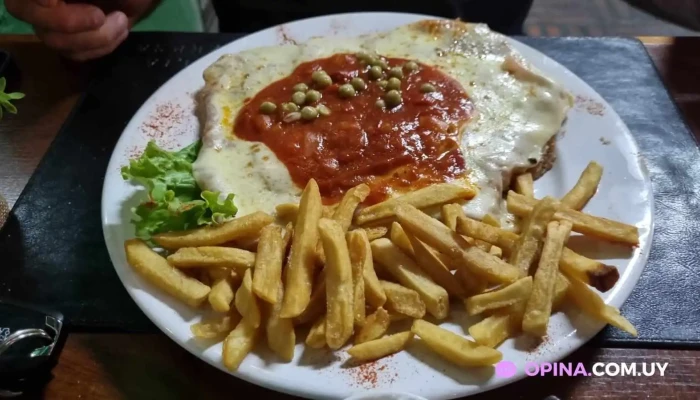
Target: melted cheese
x=517 y=109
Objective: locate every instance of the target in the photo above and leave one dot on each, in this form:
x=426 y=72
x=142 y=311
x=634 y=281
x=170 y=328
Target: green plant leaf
x=9 y=107
x=175 y=202
x=16 y=95
x=3 y=84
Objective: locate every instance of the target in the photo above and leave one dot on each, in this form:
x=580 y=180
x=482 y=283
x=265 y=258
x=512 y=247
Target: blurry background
x=547 y=18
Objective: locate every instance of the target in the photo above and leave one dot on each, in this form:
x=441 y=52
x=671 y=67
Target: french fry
x=288 y=235
x=268 y=264
x=539 y=305
x=593 y=305
x=380 y=348
x=453 y=347
x=586 y=224
x=246 y=243
x=450 y=212
x=287 y=212
x=221 y=295
x=215 y=328
x=212 y=257
x=281 y=337
x=215 y=274
x=439 y=236
x=339 y=287
x=471 y=283
x=561 y=287
x=428 y=260
x=237 y=228
x=594 y=273
x=529 y=244
x=421 y=198
x=347 y=206
x=491 y=220
x=516 y=292
x=156 y=270
x=495 y=329
x=403 y=300
x=246 y=303
x=359 y=246
x=317 y=304
x=498 y=237
x=496 y=251
x=374 y=327
x=398 y=236
x=238 y=344
x=524 y=185
x=327 y=211
x=345 y=211
x=357 y=261
x=585 y=188
x=376 y=232
x=316 y=339
x=302 y=258
x=405 y=270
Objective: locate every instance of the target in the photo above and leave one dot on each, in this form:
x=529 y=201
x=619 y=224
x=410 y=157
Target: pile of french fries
x=347 y=273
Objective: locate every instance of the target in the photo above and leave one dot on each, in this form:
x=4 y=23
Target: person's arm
x=683 y=12
x=81 y=31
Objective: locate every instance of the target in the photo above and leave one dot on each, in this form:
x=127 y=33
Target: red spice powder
x=159 y=126
x=370 y=375
x=590 y=106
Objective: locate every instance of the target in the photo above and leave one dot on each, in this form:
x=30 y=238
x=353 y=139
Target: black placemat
x=52 y=251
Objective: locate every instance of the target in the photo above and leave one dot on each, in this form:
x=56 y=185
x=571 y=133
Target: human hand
x=79 y=31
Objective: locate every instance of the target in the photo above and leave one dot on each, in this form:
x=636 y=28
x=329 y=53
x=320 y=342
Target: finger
x=67 y=18
x=99 y=52
x=114 y=27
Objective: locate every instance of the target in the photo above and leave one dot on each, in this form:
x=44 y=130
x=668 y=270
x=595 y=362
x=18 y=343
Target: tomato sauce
x=409 y=146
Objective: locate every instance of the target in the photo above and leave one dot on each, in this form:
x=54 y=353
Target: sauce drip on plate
x=392 y=148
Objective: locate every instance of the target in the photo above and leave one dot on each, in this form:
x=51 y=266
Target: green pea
x=300 y=87
x=411 y=66
x=427 y=88
x=375 y=72
x=268 y=107
x=299 y=98
x=346 y=91
x=364 y=57
x=313 y=96
x=358 y=83
x=396 y=72
x=381 y=63
x=290 y=107
x=393 y=84
x=291 y=117
x=380 y=104
x=321 y=78
x=393 y=98
x=382 y=84
x=308 y=113
x=323 y=110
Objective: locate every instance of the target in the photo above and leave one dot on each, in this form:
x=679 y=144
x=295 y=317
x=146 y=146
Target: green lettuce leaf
x=175 y=202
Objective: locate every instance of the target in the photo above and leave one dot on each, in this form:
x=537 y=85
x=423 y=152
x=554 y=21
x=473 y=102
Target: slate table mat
x=52 y=251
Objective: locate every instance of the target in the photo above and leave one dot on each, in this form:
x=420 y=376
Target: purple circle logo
x=505 y=369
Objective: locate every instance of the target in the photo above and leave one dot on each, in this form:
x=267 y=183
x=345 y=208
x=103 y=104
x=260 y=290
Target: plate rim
x=266 y=378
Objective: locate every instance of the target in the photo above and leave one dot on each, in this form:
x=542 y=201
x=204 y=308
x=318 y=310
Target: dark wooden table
x=151 y=366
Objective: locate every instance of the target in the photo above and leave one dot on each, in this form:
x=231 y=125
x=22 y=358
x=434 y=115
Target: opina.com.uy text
x=506 y=369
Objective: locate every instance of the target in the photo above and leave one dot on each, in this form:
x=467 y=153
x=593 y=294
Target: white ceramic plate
x=593 y=132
